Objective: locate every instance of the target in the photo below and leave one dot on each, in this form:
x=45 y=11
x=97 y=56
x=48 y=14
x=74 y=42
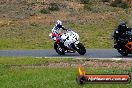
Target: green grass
x=31 y=60
x=36 y=37
x=50 y=78
x=12 y=75
x=26 y=36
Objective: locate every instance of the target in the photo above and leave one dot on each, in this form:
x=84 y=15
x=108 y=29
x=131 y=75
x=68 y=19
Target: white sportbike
x=69 y=43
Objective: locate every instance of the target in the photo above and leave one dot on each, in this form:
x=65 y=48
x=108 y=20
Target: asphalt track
x=90 y=54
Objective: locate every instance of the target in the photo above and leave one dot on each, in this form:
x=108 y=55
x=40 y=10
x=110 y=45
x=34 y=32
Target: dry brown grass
x=87 y=17
x=94 y=27
x=71 y=12
x=85 y=63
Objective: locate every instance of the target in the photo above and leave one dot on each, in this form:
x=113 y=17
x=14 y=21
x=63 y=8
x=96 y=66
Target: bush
x=87 y=7
x=119 y=3
x=34 y=24
x=53 y=7
x=115 y=3
x=44 y=11
x=85 y=1
x=105 y=0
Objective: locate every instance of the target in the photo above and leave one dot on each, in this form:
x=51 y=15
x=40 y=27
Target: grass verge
x=29 y=72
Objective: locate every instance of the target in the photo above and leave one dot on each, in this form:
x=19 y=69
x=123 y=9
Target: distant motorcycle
x=71 y=43
x=127 y=47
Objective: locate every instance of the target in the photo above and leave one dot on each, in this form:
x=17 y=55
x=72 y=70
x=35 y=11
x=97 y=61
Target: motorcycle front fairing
x=70 y=37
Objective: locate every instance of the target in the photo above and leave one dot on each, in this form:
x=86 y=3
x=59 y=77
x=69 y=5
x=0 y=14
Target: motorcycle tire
x=81 y=49
x=59 y=49
x=123 y=52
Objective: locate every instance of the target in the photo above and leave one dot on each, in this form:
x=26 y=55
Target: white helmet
x=58 y=23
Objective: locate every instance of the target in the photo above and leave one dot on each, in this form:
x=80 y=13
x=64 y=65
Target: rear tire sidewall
x=59 y=49
x=81 y=49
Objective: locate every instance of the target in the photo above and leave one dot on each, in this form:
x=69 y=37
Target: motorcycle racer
x=123 y=39
x=56 y=31
x=120 y=36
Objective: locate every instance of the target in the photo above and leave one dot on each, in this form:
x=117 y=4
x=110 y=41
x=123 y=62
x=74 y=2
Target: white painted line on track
x=116 y=58
x=123 y=58
x=59 y=57
x=69 y=57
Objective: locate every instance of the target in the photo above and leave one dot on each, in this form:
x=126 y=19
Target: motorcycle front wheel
x=81 y=49
x=123 y=52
